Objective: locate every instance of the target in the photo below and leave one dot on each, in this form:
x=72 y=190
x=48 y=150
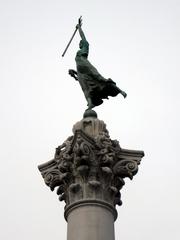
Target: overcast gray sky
x=137 y=44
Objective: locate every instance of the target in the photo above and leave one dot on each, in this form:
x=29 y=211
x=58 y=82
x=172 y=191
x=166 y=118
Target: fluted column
x=88 y=169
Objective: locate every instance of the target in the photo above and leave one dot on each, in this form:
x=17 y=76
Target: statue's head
x=81 y=44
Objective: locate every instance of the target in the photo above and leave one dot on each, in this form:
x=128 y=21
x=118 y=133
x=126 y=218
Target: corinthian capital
x=90 y=165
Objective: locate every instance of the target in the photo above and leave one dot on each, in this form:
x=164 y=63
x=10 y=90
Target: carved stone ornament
x=90 y=166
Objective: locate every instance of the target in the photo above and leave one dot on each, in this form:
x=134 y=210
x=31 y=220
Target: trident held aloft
x=80 y=23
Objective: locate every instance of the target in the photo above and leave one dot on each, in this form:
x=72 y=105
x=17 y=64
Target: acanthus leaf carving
x=87 y=166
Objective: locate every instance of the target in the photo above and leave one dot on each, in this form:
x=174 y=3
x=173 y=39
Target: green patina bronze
x=94 y=86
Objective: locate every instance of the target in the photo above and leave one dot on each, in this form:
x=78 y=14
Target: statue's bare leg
x=90 y=104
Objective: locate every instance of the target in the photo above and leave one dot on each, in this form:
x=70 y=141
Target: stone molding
x=90 y=202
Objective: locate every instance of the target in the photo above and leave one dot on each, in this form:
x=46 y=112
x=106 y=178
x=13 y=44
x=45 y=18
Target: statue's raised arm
x=81 y=33
x=83 y=45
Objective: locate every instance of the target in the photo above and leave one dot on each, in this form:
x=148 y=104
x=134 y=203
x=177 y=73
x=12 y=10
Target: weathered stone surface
x=89 y=165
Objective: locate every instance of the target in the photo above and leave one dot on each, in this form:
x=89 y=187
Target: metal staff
x=80 y=23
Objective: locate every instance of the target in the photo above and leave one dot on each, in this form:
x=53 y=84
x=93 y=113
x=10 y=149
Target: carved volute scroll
x=90 y=166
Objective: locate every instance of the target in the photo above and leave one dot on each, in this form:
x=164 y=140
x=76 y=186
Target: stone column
x=90 y=220
x=88 y=170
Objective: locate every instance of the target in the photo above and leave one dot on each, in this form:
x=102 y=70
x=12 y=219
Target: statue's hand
x=78 y=26
x=79 y=23
x=73 y=73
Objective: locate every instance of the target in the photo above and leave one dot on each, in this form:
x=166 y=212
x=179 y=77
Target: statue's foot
x=90 y=107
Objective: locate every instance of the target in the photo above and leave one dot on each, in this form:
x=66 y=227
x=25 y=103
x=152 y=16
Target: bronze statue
x=94 y=86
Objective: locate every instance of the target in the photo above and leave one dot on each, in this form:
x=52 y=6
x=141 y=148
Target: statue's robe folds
x=94 y=86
